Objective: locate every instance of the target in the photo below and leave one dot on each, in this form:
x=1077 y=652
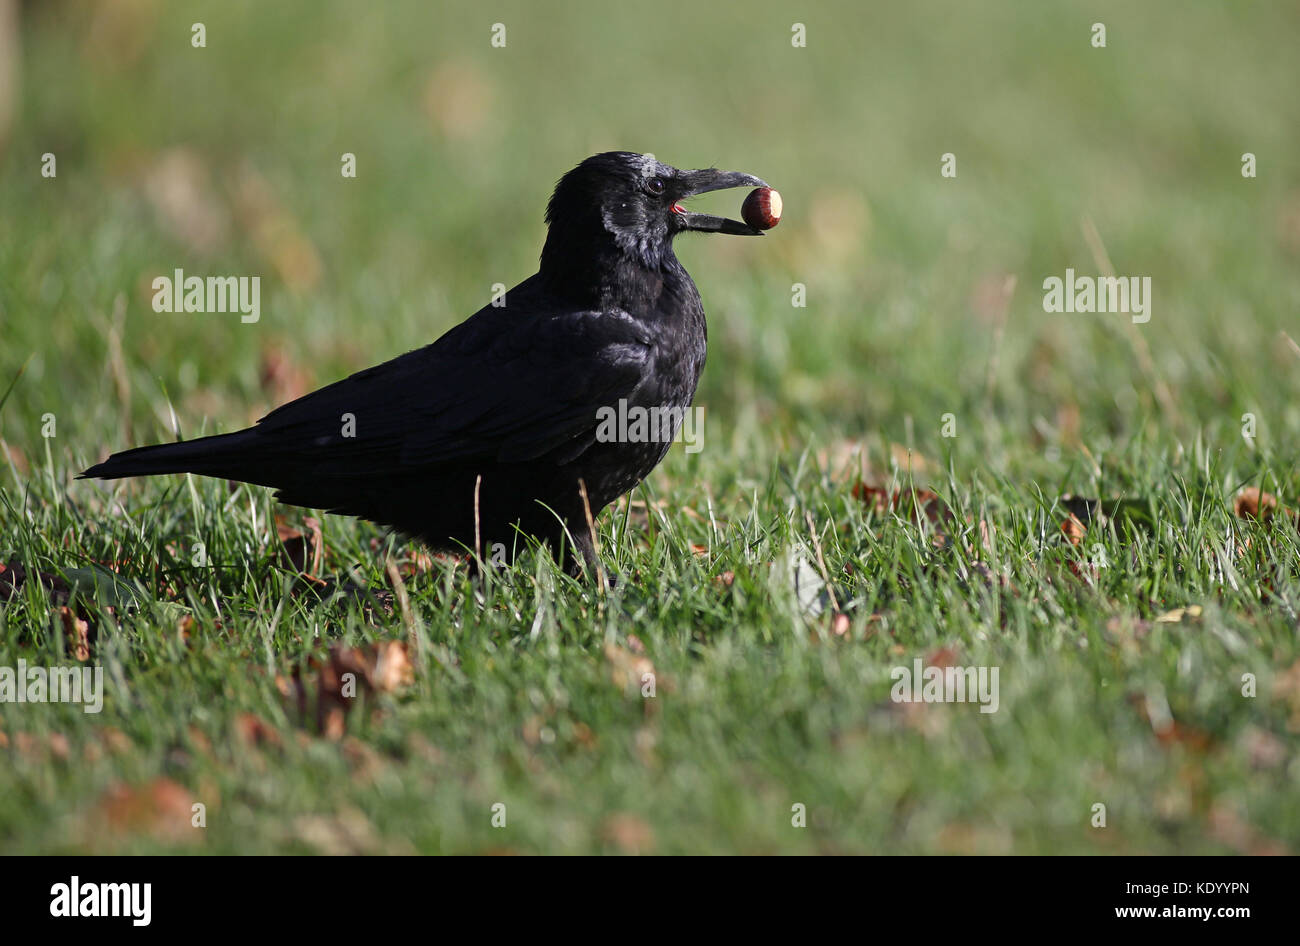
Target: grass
x=524 y=690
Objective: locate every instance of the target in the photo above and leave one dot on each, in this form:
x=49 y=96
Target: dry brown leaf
x=1286 y=687
x=254 y=731
x=1170 y=732
x=417 y=561
x=1074 y=529
x=1087 y=572
x=116 y=741
x=921 y=506
x=303 y=551
x=381 y=667
x=1254 y=503
x=76 y=634
x=392 y=667
x=282 y=378
x=346 y=832
x=1263 y=749
x=1128 y=626
x=1175 y=733
x=627 y=669
x=1230 y=829
x=973 y=839
x=53 y=745
x=629 y=833
x=11 y=453
x=943 y=658
x=844 y=461
x=199 y=740
x=159 y=808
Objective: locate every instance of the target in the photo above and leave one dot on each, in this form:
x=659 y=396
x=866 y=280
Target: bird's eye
x=655 y=185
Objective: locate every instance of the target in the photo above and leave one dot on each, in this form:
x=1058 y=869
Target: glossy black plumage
x=492 y=430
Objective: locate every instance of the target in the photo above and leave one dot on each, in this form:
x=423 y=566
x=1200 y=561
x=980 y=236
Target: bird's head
x=631 y=203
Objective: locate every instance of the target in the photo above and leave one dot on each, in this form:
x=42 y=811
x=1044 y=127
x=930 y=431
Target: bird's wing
x=503 y=386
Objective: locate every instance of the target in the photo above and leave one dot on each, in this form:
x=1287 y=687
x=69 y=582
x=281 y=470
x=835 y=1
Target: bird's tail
x=231 y=456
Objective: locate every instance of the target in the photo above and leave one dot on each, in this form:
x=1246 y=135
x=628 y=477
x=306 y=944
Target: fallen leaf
x=1169 y=731
x=1263 y=749
x=348 y=832
x=1175 y=733
x=116 y=740
x=844 y=460
x=254 y=731
x=1128 y=625
x=282 y=378
x=302 y=550
x=943 y=658
x=629 y=833
x=381 y=667
x=391 y=669
x=1254 y=503
x=76 y=634
x=1135 y=513
x=627 y=669
x=159 y=808
x=1286 y=687
x=1230 y=829
x=920 y=506
x=972 y=839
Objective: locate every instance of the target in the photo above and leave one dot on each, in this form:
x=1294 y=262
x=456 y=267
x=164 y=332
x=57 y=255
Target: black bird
x=493 y=430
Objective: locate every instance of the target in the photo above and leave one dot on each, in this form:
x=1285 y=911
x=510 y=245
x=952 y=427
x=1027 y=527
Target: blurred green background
x=226 y=160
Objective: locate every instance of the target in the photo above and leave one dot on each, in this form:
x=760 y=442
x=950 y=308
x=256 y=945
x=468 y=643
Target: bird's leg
x=580 y=558
x=585 y=564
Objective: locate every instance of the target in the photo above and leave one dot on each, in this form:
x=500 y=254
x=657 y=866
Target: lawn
x=904 y=455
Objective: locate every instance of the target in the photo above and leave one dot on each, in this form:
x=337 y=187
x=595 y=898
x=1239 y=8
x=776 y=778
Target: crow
x=494 y=430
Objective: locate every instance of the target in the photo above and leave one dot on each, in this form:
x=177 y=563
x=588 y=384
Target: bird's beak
x=692 y=183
